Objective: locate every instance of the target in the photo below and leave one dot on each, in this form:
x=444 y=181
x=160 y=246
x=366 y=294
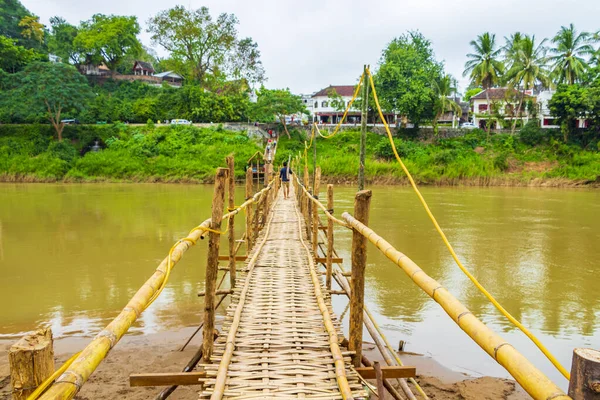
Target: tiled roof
x=145 y=65
x=342 y=90
x=495 y=94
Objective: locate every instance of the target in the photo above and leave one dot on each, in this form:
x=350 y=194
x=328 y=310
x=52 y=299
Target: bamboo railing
x=70 y=382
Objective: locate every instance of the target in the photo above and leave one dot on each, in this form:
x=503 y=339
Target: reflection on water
x=72 y=256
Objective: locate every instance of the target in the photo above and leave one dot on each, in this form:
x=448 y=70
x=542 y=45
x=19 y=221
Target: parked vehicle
x=468 y=125
x=70 y=121
x=180 y=122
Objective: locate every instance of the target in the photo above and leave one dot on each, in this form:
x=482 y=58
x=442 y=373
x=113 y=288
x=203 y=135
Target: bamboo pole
x=329 y=254
x=528 y=376
x=249 y=230
x=585 y=375
x=31 y=361
x=315 y=212
x=306 y=202
x=363 y=131
x=379 y=378
x=68 y=384
x=375 y=335
x=231 y=221
x=212 y=265
x=362 y=202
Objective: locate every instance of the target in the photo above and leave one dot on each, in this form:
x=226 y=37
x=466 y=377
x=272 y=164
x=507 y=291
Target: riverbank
x=159 y=353
x=185 y=154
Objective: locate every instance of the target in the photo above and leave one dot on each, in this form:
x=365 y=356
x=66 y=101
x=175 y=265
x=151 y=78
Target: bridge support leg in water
x=212 y=265
x=585 y=375
x=362 y=203
x=249 y=214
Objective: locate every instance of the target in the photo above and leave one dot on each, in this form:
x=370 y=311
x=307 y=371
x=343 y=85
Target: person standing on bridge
x=284 y=175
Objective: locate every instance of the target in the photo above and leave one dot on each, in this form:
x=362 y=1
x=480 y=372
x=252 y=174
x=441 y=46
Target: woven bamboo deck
x=282 y=347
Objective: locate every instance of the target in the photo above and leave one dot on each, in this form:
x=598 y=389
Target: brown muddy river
x=71 y=256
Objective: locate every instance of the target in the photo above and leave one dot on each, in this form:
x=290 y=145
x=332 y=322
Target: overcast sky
x=307 y=45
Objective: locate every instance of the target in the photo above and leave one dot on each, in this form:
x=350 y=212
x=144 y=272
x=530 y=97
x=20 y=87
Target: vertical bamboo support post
x=379 y=378
x=249 y=215
x=212 y=266
x=267 y=195
x=306 y=201
x=363 y=130
x=231 y=221
x=362 y=203
x=31 y=362
x=329 y=264
x=585 y=375
x=315 y=211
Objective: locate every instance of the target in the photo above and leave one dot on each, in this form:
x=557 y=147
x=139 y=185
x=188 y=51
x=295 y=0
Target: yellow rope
x=341 y=121
x=487 y=294
x=40 y=389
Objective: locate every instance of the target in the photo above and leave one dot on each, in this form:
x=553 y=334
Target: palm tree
x=528 y=68
x=568 y=62
x=511 y=48
x=444 y=87
x=484 y=67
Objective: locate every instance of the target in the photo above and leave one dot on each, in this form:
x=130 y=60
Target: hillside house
x=143 y=68
x=170 y=77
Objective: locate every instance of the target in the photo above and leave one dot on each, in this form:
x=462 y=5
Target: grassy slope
x=188 y=154
x=471 y=159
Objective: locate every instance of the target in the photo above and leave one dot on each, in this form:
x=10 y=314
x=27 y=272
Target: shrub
x=531 y=134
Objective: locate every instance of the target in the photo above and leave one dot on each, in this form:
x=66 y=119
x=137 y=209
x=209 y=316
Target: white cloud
x=308 y=45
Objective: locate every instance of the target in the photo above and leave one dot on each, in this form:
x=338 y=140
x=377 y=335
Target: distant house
x=504 y=101
x=92 y=69
x=143 y=68
x=454 y=118
x=323 y=109
x=170 y=77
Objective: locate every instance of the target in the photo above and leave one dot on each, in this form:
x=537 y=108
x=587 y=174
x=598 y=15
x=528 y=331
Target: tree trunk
x=514 y=125
x=31 y=362
x=489 y=113
x=282 y=120
x=435 y=124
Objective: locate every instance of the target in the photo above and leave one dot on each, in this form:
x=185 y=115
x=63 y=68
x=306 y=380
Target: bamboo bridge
x=280 y=337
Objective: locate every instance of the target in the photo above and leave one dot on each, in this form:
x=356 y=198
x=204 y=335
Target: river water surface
x=71 y=256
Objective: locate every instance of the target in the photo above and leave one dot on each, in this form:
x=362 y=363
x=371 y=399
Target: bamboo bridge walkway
x=280 y=337
x=283 y=342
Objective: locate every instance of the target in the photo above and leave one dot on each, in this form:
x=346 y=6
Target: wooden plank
x=237 y=258
x=388 y=372
x=167 y=378
x=334 y=260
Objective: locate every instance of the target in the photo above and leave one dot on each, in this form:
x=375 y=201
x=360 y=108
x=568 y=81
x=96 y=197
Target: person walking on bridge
x=284 y=175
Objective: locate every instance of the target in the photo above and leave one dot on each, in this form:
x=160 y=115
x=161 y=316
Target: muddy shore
x=159 y=353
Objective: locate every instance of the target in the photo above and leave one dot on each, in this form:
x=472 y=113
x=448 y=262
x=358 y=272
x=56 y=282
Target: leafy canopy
x=201 y=46
x=407 y=70
x=109 y=38
x=54 y=89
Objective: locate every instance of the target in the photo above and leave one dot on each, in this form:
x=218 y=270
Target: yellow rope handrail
x=487 y=294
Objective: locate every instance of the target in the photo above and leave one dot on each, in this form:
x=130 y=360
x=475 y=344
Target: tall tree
x=54 y=89
x=244 y=62
x=277 y=103
x=193 y=36
x=569 y=103
x=13 y=57
x=570 y=52
x=12 y=13
x=444 y=87
x=110 y=38
x=407 y=70
x=61 y=41
x=205 y=49
x=484 y=67
x=32 y=28
x=527 y=62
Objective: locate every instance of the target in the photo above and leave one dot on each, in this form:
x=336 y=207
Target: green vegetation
x=188 y=154
x=534 y=156
x=138 y=154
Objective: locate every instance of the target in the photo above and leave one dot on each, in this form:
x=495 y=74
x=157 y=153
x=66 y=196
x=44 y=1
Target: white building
x=546 y=119
x=505 y=101
x=323 y=107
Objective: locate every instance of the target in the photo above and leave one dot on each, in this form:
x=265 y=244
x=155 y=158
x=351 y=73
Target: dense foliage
x=534 y=156
x=147 y=153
